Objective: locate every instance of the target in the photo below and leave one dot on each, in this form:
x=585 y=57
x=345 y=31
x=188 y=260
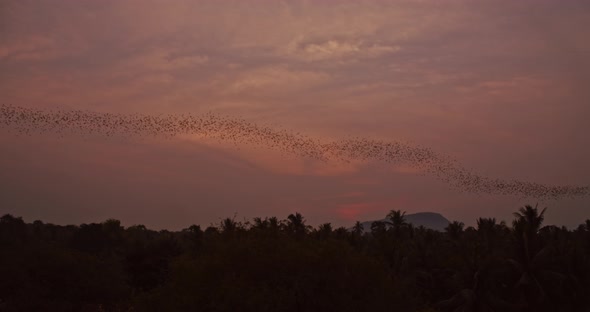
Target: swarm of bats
x=29 y=121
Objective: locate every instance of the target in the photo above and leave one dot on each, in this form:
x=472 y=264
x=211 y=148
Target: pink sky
x=502 y=86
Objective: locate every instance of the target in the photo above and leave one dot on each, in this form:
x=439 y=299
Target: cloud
x=502 y=86
x=163 y=60
x=277 y=78
x=334 y=50
x=29 y=49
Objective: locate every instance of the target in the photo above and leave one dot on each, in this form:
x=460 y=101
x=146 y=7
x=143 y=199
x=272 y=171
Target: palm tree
x=296 y=225
x=378 y=228
x=486 y=225
x=455 y=229
x=274 y=226
x=340 y=233
x=530 y=218
x=532 y=272
x=396 y=219
x=531 y=257
x=260 y=224
x=487 y=229
x=357 y=229
x=269 y=227
x=195 y=235
x=526 y=226
x=228 y=225
x=478 y=297
x=113 y=230
x=324 y=231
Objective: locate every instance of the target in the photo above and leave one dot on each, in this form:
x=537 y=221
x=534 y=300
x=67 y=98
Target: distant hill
x=430 y=220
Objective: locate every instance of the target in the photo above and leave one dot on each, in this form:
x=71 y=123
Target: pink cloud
x=501 y=89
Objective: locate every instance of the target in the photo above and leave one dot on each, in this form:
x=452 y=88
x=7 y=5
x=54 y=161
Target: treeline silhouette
x=285 y=265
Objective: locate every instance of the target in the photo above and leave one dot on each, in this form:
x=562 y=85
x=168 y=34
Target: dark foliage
x=286 y=265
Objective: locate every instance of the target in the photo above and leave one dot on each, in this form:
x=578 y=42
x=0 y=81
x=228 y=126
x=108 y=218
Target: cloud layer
x=500 y=86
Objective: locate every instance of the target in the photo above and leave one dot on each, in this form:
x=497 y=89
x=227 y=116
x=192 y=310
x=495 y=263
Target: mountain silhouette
x=430 y=220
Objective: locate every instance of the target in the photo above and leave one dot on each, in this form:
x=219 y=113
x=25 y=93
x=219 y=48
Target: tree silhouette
x=195 y=237
x=324 y=231
x=396 y=219
x=296 y=225
x=455 y=230
x=378 y=228
x=357 y=229
x=479 y=297
x=287 y=265
x=530 y=256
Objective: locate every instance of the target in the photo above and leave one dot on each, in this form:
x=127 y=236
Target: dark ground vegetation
x=284 y=265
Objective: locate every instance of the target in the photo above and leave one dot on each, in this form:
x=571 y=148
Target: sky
x=500 y=86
